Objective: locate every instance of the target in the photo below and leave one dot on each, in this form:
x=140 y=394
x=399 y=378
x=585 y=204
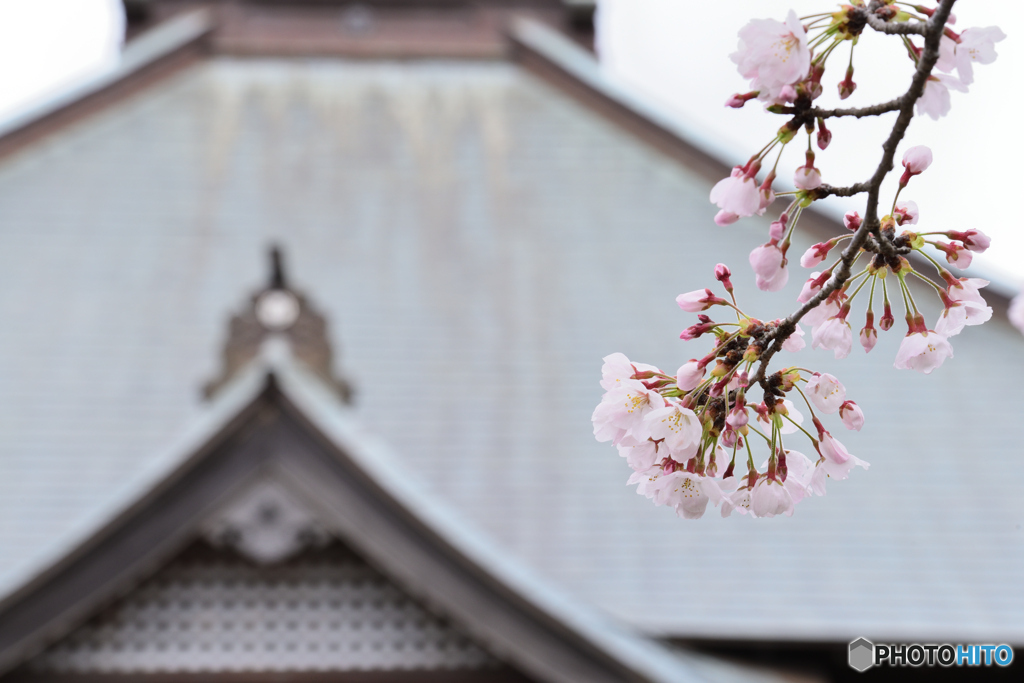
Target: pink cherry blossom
x=737 y=196
x=907 y=212
x=962 y=313
x=835 y=334
x=976 y=45
x=816 y=254
x=619 y=417
x=738 y=500
x=851 y=415
x=807 y=178
x=688 y=493
x=785 y=426
x=640 y=457
x=689 y=375
x=679 y=427
x=770 y=498
x=722 y=274
x=773 y=55
x=739 y=99
x=975 y=240
x=824 y=135
x=810 y=288
x=947 y=54
x=828 y=468
x=826 y=392
x=698 y=300
x=795 y=342
x=968 y=290
x=798 y=479
x=956 y=255
x=1016 y=312
x=769 y=266
x=833 y=449
x=868 y=338
x=724 y=218
x=821 y=313
x=923 y=351
x=618 y=371
x=737 y=418
x=917 y=159
x=935 y=102
x=852 y=221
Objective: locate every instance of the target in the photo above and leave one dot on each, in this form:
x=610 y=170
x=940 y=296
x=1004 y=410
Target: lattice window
x=211 y=610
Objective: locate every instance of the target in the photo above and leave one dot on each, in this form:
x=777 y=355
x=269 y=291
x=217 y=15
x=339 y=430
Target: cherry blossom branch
x=857 y=112
x=902 y=28
x=676 y=433
x=825 y=190
x=870 y=226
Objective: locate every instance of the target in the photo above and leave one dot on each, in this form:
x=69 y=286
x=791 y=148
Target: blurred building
x=304 y=310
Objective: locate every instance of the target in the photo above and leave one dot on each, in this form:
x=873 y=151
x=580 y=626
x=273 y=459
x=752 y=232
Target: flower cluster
x=785 y=63
x=924 y=348
x=681 y=434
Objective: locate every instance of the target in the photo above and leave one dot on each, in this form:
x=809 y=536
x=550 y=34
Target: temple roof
x=476 y=239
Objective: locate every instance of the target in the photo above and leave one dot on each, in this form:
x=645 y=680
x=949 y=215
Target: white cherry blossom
x=773 y=55
x=834 y=334
x=923 y=351
x=770 y=498
x=769 y=266
x=679 y=427
x=977 y=45
x=826 y=392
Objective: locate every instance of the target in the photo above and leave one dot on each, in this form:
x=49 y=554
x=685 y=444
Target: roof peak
x=278 y=315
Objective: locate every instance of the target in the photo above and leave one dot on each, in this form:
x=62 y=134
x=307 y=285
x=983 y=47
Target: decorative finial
x=279 y=311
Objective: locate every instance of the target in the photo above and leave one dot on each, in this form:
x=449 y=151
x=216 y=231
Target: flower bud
x=722 y=274
x=816 y=254
x=868 y=338
x=887 y=320
x=916 y=160
x=824 y=135
x=906 y=213
x=689 y=375
x=852 y=221
x=847 y=86
x=698 y=300
x=851 y=415
x=737 y=418
x=738 y=100
x=807 y=178
x=778 y=228
x=975 y=240
x=955 y=254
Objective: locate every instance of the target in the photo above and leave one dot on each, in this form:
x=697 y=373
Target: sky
x=49 y=45
x=677 y=52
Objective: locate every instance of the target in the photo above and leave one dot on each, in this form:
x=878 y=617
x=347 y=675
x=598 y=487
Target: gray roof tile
x=479 y=242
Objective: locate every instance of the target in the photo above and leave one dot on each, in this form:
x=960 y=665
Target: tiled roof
x=478 y=242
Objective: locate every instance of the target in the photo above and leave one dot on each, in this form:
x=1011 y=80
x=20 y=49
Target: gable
x=214 y=610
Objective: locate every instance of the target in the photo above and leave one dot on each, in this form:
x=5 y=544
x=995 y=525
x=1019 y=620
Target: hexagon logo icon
x=862 y=654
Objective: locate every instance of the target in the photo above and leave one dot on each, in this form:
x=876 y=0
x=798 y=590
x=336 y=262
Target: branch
x=858 y=112
x=825 y=190
x=902 y=29
x=870 y=226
